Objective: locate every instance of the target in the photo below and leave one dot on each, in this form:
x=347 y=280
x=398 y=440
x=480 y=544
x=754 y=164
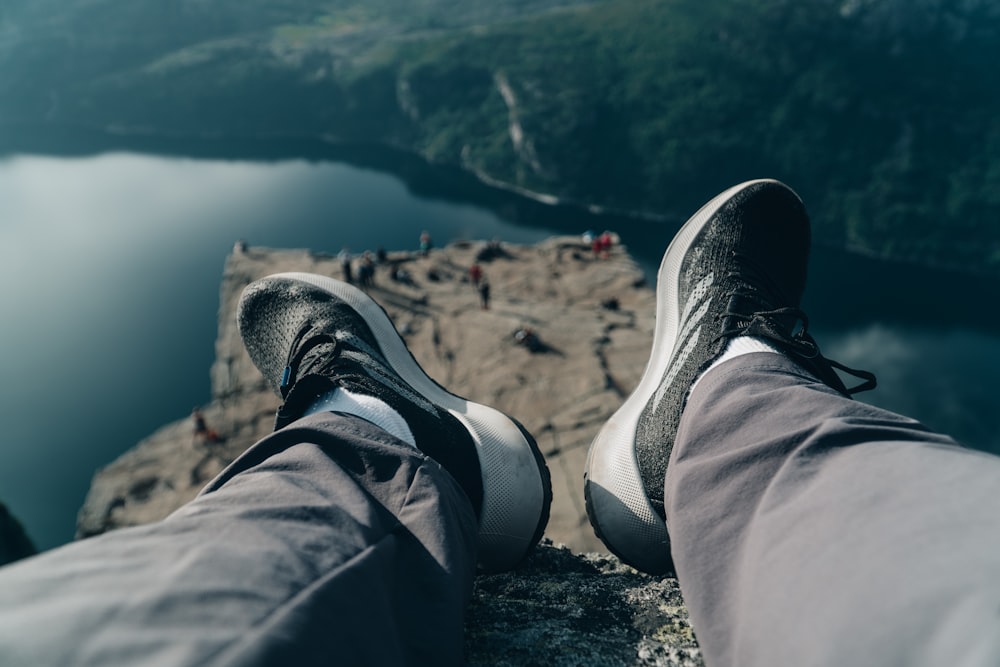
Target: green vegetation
x=883 y=115
x=886 y=123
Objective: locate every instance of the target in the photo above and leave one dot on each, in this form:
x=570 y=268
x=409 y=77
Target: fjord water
x=111 y=264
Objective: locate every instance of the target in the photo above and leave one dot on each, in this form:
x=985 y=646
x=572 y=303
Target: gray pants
x=809 y=529
x=328 y=542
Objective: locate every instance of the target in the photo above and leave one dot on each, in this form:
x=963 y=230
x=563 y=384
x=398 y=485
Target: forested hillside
x=885 y=115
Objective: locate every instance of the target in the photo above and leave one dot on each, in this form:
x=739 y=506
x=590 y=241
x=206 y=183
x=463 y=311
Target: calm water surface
x=110 y=265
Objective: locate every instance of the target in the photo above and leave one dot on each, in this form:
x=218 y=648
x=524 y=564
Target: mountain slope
x=883 y=114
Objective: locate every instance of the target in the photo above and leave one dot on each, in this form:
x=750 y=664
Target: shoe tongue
x=312 y=351
x=319 y=357
x=750 y=313
x=772 y=327
x=322 y=340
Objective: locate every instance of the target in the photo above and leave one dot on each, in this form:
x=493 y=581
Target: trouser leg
x=809 y=529
x=328 y=542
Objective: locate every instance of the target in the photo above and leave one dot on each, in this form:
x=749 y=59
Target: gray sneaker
x=736 y=268
x=309 y=334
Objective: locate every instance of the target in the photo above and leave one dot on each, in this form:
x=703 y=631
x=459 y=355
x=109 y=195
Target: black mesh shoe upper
x=737 y=267
x=307 y=342
x=743 y=274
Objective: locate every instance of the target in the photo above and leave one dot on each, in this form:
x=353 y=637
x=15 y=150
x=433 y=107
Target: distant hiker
x=602 y=245
x=345 y=264
x=484 y=293
x=239 y=247
x=200 y=427
x=475 y=274
x=527 y=337
x=425 y=242
x=366 y=271
x=201 y=430
x=401 y=275
x=381 y=256
x=490 y=251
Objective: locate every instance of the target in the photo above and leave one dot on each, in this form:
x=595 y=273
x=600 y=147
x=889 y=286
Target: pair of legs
x=804 y=527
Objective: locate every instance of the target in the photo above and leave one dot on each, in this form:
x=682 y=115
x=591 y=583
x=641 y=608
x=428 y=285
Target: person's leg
x=810 y=529
x=328 y=540
x=806 y=529
x=737 y=267
x=322 y=344
x=349 y=535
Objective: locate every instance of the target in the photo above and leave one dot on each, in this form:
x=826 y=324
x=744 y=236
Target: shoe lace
x=348 y=362
x=788 y=326
x=297 y=352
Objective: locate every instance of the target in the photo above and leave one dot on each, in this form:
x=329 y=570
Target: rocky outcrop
x=593 y=320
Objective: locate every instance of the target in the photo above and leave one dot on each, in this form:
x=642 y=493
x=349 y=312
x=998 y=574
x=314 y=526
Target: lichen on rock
x=566 y=609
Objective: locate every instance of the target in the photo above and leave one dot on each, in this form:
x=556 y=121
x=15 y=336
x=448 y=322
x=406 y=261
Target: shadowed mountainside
x=883 y=114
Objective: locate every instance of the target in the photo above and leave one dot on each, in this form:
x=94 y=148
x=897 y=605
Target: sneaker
x=309 y=334
x=736 y=268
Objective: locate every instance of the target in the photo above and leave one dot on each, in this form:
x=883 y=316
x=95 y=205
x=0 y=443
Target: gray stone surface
x=576 y=610
x=571 y=605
